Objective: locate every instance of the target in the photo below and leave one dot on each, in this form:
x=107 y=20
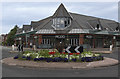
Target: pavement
x=107 y=52
x=94 y=50
x=27 y=63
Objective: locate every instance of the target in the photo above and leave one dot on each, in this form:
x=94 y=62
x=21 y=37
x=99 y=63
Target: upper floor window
x=98 y=27
x=117 y=29
x=61 y=23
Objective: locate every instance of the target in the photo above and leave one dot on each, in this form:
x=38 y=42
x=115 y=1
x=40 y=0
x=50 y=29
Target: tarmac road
x=16 y=71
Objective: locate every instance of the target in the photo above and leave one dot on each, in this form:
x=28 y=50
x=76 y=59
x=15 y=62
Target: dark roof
x=87 y=22
x=79 y=21
x=35 y=24
x=19 y=30
x=27 y=28
x=44 y=24
x=61 y=12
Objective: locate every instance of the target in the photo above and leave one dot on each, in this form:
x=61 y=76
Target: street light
x=114 y=37
x=20 y=39
x=60 y=42
x=27 y=35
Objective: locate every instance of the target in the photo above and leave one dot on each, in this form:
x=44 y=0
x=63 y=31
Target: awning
x=103 y=32
x=46 y=31
x=23 y=34
x=117 y=33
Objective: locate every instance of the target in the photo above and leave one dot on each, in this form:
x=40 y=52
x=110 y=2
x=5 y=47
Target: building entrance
x=99 y=43
x=60 y=44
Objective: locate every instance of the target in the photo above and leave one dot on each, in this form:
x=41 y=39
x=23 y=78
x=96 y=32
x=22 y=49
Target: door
x=60 y=44
x=99 y=43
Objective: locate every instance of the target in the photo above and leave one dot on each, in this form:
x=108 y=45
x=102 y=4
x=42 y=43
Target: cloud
x=108 y=10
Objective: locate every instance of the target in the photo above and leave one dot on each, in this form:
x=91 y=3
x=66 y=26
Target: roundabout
x=26 y=63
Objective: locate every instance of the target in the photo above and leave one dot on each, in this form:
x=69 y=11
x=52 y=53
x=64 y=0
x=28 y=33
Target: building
x=3 y=39
x=64 y=28
x=0 y=39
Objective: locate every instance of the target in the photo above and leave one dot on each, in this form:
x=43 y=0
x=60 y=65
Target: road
x=16 y=71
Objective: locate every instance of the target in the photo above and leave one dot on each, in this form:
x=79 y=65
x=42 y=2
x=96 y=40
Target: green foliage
x=10 y=38
x=44 y=53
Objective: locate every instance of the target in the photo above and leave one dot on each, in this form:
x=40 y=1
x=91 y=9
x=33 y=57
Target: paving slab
x=107 y=52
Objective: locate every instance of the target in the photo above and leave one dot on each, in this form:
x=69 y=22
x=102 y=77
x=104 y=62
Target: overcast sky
x=19 y=13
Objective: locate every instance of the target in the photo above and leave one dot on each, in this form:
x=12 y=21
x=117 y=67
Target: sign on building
x=60 y=36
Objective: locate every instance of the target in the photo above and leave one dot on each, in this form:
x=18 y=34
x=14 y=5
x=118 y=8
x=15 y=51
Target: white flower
x=50 y=55
x=37 y=56
x=97 y=54
x=87 y=55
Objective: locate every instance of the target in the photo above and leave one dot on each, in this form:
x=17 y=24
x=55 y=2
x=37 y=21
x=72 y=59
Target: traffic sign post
x=68 y=57
x=81 y=50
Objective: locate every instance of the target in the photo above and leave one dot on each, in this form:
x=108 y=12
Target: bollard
x=34 y=47
x=13 y=47
x=111 y=47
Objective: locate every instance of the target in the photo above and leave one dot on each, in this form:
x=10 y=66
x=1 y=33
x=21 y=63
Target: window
x=59 y=23
x=117 y=29
x=98 y=27
x=45 y=41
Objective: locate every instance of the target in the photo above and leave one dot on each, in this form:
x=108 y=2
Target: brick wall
x=81 y=38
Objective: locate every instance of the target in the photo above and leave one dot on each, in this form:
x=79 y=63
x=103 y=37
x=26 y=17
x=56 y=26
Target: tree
x=10 y=38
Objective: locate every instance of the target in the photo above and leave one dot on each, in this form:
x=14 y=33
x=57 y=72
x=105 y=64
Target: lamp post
x=35 y=37
x=114 y=38
x=34 y=46
x=27 y=35
x=20 y=39
x=88 y=37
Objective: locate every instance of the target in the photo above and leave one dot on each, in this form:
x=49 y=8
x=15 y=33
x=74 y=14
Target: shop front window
x=107 y=41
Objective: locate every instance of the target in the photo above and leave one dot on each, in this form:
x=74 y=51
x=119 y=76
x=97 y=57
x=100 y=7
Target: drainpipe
x=26 y=39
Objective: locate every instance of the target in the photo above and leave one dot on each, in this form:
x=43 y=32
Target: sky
x=21 y=13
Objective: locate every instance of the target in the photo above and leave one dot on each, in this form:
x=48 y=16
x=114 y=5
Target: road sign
x=67 y=49
x=74 y=49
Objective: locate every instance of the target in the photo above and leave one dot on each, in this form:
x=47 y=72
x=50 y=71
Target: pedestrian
x=30 y=45
x=34 y=47
x=18 y=47
x=22 y=47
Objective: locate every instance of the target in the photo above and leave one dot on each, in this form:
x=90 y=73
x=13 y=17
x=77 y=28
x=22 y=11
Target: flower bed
x=54 y=56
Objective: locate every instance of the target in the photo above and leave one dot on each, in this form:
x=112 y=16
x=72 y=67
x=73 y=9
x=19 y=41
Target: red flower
x=52 y=52
x=70 y=53
x=63 y=52
x=77 y=53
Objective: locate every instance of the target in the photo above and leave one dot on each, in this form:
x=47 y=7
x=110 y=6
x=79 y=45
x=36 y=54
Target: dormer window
x=98 y=27
x=61 y=23
x=117 y=29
